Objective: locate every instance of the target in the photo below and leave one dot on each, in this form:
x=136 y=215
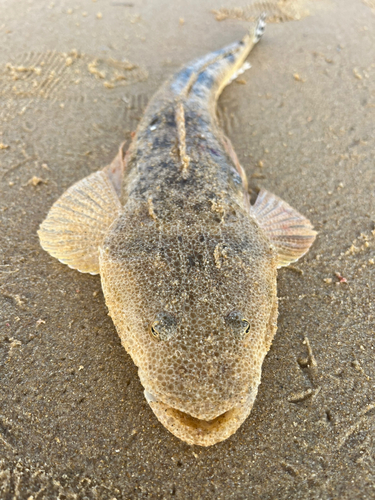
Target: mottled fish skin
x=188 y=267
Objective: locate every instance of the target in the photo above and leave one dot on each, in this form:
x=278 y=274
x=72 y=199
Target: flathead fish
x=188 y=266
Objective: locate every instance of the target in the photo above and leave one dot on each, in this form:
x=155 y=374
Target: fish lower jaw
x=198 y=431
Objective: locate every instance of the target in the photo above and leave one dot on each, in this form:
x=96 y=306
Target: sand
x=74 y=79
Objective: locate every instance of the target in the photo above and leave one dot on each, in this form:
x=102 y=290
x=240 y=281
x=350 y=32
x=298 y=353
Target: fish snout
x=202 y=394
x=201 y=431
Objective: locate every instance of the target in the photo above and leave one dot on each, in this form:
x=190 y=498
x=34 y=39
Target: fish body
x=188 y=266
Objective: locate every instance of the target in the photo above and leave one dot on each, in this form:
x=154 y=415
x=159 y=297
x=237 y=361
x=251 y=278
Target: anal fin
x=290 y=232
x=79 y=220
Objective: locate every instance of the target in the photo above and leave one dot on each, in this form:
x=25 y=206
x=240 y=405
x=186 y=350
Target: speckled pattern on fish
x=188 y=266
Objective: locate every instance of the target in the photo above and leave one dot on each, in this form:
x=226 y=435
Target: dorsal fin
x=290 y=232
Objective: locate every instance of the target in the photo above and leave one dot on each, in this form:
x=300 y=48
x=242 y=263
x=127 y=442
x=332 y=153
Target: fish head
x=197 y=313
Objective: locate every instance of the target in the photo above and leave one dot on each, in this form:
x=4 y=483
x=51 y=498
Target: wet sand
x=74 y=79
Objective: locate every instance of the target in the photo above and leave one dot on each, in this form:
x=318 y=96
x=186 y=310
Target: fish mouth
x=198 y=431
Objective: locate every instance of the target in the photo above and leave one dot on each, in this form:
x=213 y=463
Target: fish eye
x=164 y=326
x=238 y=325
x=154 y=331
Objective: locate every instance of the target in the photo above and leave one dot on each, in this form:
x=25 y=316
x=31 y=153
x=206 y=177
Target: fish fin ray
x=290 y=232
x=115 y=170
x=78 y=222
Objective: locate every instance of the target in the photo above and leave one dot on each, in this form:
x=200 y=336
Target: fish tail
x=260 y=27
x=206 y=77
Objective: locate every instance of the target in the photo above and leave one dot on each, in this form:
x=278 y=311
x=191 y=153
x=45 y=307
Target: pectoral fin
x=290 y=232
x=78 y=222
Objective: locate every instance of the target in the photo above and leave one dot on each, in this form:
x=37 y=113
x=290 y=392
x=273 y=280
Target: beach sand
x=74 y=80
